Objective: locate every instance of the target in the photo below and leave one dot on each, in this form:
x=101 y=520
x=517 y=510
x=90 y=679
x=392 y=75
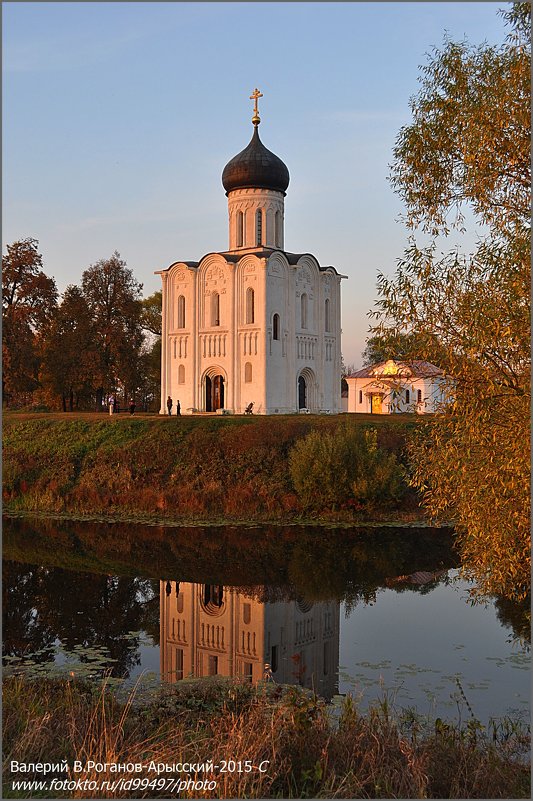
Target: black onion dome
x=255 y=167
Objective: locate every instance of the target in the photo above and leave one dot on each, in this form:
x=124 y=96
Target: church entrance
x=214 y=393
x=377 y=404
x=302 y=393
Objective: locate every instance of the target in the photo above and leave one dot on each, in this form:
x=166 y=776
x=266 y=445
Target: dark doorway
x=214 y=393
x=302 y=393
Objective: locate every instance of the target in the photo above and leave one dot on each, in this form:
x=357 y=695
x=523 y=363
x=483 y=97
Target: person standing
x=169 y=405
x=178 y=409
x=132 y=406
x=111 y=405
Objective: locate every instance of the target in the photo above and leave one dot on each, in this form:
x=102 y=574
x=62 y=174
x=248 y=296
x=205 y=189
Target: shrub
x=331 y=469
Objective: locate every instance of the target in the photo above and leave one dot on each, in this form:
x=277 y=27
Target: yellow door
x=376 y=404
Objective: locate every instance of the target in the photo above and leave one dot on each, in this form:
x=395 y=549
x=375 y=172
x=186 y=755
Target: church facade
x=210 y=630
x=254 y=324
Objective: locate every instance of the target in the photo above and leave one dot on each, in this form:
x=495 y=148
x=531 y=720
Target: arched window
x=181 y=374
x=360 y=396
x=215 y=309
x=327 y=315
x=304 y=310
x=259 y=227
x=419 y=396
x=407 y=396
x=240 y=229
x=181 y=312
x=250 y=311
x=248 y=372
x=277 y=219
x=275 y=327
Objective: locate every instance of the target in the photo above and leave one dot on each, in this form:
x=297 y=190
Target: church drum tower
x=255 y=323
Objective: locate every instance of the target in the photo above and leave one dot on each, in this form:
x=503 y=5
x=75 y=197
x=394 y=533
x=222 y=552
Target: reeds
x=304 y=750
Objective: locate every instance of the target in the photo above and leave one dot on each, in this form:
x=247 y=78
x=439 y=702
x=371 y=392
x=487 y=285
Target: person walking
x=132 y=406
x=169 y=405
x=178 y=409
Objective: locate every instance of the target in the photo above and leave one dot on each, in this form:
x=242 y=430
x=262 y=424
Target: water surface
x=367 y=611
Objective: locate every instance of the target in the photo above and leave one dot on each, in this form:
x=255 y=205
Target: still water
x=373 y=612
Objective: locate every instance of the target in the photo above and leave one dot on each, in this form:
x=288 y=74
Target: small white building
x=254 y=323
x=396 y=386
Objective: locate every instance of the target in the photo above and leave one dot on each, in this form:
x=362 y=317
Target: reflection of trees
x=514 y=616
x=77 y=609
x=25 y=630
x=99 y=597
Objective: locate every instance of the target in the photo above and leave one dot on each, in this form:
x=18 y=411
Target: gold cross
x=254 y=96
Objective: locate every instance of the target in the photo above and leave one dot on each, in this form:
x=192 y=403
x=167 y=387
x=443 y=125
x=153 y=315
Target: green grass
x=188 y=469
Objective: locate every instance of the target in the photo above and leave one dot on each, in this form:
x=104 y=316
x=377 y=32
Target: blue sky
x=120 y=117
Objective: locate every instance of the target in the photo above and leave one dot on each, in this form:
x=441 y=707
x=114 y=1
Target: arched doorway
x=302 y=393
x=214 y=393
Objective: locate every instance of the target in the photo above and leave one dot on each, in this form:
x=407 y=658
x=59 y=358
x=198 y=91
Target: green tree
x=469 y=144
x=29 y=298
x=69 y=356
x=152 y=312
x=151 y=321
x=389 y=345
x=113 y=297
x=150 y=376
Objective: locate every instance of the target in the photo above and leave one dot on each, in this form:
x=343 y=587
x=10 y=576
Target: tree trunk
x=99 y=398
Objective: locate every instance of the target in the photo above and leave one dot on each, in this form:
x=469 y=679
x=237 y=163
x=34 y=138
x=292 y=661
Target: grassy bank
x=304 y=752
x=177 y=469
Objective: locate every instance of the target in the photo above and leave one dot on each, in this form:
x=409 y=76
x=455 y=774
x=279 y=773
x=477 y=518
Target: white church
x=254 y=324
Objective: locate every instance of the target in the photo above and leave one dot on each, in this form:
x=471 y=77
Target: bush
x=346 y=465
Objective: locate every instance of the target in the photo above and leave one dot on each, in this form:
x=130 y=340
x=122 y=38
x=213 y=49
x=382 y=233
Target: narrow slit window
x=407 y=396
x=240 y=229
x=327 y=315
x=181 y=312
x=275 y=327
x=304 y=310
x=215 y=309
x=259 y=227
x=248 y=372
x=250 y=305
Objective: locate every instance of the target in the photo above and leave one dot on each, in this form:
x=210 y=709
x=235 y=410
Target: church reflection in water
x=210 y=629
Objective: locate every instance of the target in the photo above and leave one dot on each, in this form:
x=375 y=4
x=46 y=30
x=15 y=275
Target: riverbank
x=263 y=741
x=181 y=471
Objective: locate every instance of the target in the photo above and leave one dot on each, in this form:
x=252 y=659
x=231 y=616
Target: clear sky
x=120 y=117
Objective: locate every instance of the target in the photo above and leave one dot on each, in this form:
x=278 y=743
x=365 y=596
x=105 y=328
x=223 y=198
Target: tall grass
x=309 y=752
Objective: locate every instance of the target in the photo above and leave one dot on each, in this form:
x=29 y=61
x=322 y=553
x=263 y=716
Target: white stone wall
x=213 y=333
x=248 y=201
x=244 y=634
x=433 y=394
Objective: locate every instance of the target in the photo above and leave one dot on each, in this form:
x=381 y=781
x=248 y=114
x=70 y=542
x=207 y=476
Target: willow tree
x=468 y=146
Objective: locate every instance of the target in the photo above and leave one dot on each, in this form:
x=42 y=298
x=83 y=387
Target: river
x=376 y=612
